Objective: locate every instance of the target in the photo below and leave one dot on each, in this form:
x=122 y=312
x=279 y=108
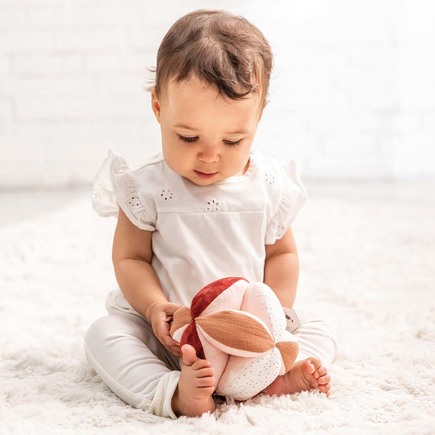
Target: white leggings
x=123 y=350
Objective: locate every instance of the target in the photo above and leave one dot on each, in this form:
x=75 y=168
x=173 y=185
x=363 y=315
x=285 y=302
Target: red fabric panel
x=208 y=294
x=190 y=336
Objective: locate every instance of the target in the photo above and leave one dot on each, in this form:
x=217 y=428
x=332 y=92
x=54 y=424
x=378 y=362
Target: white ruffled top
x=202 y=233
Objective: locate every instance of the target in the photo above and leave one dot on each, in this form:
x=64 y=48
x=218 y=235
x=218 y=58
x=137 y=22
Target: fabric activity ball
x=240 y=327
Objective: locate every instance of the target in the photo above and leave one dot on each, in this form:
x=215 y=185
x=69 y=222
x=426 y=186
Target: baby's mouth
x=205 y=175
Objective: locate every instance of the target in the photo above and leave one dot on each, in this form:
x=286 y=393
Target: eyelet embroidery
x=270 y=178
x=280 y=230
x=212 y=205
x=167 y=194
x=134 y=201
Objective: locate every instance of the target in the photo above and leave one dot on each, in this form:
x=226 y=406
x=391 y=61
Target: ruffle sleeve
x=115 y=186
x=291 y=197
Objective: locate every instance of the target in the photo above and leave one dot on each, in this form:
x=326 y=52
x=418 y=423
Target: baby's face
x=205 y=137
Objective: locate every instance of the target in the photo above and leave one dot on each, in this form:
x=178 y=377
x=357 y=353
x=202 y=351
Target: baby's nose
x=209 y=154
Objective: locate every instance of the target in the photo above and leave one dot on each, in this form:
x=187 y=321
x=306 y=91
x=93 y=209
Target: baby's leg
x=317 y=347
x=193 y=395
x=133 y=363
x=316 y=337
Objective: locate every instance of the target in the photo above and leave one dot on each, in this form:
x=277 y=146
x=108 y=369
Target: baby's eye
x=188 y=139
x=232 y=143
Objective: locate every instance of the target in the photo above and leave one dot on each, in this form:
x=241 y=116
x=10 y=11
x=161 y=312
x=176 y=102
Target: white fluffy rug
x=367 y=258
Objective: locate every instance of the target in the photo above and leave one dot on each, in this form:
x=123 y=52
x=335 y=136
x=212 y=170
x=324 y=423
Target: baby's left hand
x=160 y=319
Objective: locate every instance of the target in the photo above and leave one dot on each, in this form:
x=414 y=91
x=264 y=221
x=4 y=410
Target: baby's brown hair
x=223 y=50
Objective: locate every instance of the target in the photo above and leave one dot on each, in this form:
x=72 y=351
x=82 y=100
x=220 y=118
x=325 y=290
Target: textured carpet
x=367 y=259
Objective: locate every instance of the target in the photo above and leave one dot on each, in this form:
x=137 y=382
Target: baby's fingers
x=164 y=337
x=175 y=349
x=172 y=345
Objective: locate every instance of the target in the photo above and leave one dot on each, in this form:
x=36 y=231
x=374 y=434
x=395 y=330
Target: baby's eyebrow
x=238 y=132
x=186 y=127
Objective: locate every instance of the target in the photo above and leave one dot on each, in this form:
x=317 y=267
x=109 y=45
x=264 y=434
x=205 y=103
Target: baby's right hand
x=160 y=319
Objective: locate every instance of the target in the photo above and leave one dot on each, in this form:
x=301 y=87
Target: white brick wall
x=353 y=94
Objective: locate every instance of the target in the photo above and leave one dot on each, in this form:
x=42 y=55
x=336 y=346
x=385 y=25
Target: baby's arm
x=281 y=268
x=131 y=256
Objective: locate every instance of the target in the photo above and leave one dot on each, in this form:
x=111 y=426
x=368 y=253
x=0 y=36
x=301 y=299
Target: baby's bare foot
x=193 y=395
x=305 y=375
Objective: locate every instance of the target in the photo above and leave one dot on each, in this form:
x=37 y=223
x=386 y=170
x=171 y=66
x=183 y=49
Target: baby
x=207 y=207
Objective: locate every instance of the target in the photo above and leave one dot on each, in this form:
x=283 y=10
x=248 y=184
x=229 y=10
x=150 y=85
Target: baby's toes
x=324 y=384
x=205 y=372
x=311 y=366
x=321 y=371
x=201 y=364
x=323 y=380
x=324 y=388
x=205 y=382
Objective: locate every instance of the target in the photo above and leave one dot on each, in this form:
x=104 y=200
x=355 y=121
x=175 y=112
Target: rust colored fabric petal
x=181 y=318
x=289 y=352
x=236 y=330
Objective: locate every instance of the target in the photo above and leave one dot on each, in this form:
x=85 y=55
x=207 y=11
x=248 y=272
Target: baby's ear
x=263 y=105
x=180 y=318
x=155 y=103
